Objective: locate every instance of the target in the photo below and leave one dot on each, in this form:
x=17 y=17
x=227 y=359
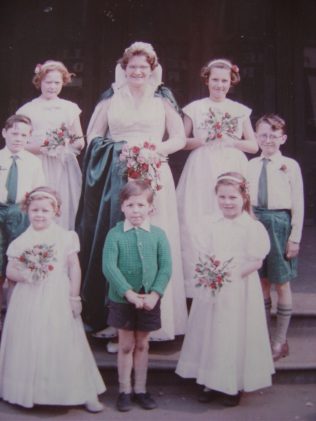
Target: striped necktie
x=12 y=181
x=263 y=185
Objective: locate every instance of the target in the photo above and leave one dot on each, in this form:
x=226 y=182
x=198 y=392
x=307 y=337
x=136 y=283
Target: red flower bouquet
x=143 y=163
x=57 y=141
x=211 y=273
x=38 y=260
x=218 y=124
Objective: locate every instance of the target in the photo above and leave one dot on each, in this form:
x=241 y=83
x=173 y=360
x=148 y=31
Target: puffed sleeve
x=73 y=111
x=258 y=245
x=14 y=250
x=73 y=244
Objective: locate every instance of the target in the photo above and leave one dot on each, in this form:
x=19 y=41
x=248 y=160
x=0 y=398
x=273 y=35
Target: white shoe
x=112 y=347
x=94 y=406
x=108 y=332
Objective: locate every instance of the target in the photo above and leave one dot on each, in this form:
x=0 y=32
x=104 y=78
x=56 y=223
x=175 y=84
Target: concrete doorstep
x=298 y=367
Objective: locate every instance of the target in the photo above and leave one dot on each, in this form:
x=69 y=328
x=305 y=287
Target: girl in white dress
x=226 y=347
x=136 y=114
x=45 y=357
x=218 y=132
x=50 y=113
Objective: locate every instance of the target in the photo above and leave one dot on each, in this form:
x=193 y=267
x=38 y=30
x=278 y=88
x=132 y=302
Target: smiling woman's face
x=138 y=71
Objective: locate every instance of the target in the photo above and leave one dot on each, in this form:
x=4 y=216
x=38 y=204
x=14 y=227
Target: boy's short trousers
x=276 y=267
x=126 y=316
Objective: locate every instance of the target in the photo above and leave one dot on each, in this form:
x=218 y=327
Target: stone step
x=304 y=304
x=298 y=367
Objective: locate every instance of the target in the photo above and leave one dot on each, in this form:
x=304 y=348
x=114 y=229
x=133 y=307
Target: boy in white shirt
x=20 y=172
x=276 y=191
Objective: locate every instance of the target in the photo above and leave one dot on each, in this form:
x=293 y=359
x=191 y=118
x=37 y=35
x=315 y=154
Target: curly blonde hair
x=41 y=70
x=139 y=49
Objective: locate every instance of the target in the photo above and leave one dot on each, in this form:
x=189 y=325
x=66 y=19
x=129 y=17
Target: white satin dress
x=137 y=124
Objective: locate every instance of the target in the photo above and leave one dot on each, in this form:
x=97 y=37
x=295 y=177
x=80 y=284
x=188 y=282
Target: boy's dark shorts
x=126 y=316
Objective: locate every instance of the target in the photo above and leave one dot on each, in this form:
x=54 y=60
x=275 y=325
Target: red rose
x=135 y=149
x=50 y=267
x=216 y=263
x=218 y=126
x=46 y=142
x=22 y=259
x=60 y=134
x=133 y=174
x=219 y=135
x=152 y=147
x=144 y=167
x=158 y=164
x=146 y=145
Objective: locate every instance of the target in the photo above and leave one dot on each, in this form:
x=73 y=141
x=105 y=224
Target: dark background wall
x=272 y=41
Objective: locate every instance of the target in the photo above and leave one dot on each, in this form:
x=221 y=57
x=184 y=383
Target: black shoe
x=124 y=403
x=230 y=400
x=145 y=400
x=207 y=396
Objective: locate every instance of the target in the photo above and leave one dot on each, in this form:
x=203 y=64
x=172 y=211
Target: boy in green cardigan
x=137 y=264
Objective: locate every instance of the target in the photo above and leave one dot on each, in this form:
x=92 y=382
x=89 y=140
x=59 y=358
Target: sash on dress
x=99 y=210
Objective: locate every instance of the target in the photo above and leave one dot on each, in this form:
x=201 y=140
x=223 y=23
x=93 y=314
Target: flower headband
x=242 y=183
x=233 y=67
x=42 y=194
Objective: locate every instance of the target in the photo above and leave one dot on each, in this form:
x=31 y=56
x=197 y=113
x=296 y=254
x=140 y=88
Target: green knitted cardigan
x=136 y=259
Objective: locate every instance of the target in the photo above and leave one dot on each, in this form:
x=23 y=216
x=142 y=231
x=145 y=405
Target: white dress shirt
x=30 y=173
x=285 y=188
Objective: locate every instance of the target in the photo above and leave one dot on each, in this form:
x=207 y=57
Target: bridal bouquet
x=57 y=141
x=218 y=124
x=38 y=261
x=212 y=273
x=143 y=163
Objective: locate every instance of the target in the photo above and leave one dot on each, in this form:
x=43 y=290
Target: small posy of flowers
x=57 y=141
x=212 y=274
x=218 y=124
x=38 y=261
x=283 y=168
x=143 y=163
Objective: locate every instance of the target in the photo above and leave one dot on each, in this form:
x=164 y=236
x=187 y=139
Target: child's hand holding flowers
x=60 y=141
x=36 y=262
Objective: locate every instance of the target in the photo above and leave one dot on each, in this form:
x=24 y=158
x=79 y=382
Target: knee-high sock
x=267 y=307
x=284 y=313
